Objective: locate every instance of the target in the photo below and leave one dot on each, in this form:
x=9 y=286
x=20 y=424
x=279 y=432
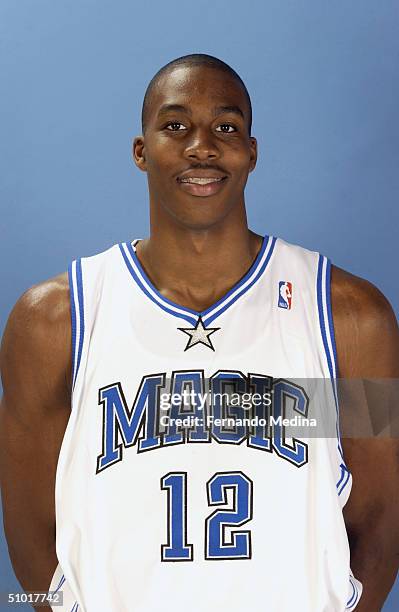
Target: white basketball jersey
x=174 y=502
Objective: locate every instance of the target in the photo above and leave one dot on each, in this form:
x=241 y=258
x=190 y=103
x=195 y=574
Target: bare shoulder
x=354 y=295
x=41 y=310
x=37 y=336
x=366 y=328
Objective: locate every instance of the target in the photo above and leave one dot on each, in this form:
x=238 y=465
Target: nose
x=202 y=145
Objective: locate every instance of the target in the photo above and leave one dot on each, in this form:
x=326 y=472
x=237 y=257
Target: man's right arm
x=36 y=372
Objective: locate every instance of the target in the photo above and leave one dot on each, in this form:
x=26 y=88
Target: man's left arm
x=367 y=339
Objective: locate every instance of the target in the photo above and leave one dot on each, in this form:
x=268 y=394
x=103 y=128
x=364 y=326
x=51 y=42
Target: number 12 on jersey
x=219 y=544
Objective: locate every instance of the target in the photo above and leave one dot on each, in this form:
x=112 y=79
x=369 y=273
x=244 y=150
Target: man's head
x=196 y=146
x=195 y=59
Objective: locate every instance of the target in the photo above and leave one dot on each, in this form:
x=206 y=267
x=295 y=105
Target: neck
x=194 y=268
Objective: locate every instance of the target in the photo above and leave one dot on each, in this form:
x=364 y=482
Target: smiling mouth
x=201 y=186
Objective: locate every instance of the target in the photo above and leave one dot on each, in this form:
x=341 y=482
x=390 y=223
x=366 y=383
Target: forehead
x=198 y=86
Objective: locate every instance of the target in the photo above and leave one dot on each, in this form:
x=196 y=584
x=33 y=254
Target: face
x=196 y=150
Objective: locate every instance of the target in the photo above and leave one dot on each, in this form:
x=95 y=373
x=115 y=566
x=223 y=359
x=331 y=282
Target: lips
x=202 y=186
x=201 y=182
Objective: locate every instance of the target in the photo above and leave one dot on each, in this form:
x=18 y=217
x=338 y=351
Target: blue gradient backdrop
x=323 y=78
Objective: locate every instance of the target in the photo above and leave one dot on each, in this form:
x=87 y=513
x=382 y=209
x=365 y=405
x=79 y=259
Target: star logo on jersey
x=199 y=334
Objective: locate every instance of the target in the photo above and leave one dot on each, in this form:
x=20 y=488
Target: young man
x=212 y=515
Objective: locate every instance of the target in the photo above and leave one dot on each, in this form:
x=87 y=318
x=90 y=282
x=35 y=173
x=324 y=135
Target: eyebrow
x=166 y=108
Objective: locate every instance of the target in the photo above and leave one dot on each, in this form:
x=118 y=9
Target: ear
x=254 y=152
x=139 y=153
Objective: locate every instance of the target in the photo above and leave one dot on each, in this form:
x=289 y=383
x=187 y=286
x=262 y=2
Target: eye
x=174 y=123
x=227 y=125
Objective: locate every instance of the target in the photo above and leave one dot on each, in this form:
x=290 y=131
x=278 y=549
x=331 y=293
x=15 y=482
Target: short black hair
x=194 y=59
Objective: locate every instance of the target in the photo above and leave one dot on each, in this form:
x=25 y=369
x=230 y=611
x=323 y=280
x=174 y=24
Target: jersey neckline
x=254 y=273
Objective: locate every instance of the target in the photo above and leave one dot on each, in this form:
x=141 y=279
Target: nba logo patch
x=284 y=295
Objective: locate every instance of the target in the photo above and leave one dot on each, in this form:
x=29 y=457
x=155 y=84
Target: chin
x=202 y=217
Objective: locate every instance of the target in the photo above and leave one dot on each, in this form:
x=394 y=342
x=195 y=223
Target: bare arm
x=367 y=338
x=35 y=366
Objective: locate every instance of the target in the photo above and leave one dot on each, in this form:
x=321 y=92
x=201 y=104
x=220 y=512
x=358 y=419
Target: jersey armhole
x=344 y=482
x=77 y=315
x=325 y=314
x=59 y=586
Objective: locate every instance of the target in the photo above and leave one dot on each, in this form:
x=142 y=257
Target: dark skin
x=191 y=239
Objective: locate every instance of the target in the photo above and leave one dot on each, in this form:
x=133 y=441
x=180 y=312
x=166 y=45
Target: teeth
x=200 y=181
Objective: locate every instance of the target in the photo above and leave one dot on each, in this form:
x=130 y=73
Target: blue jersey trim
x=161 y=297
x=208 y=315
x=328 y=336
x=345 y=477
x=349 y=602
x=354 y=598
x=239 y=284
x=330 y=317
x=73 y=318
x=208 y=320
x=77 y=314
x=61 y=582
x=323 y=290
x=321 y=314
x=81 y=310
x=191 y=320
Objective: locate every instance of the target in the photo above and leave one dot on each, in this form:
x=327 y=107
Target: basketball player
x=143 y=514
